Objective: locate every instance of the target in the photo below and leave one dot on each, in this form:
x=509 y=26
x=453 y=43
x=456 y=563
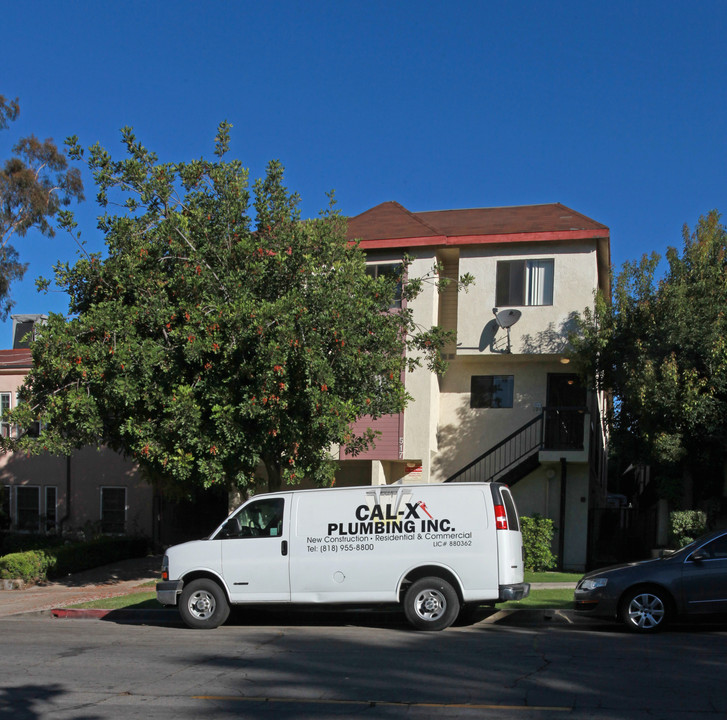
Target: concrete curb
x=507 y=617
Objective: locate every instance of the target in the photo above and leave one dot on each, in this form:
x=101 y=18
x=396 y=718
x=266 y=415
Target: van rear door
x=509 y=538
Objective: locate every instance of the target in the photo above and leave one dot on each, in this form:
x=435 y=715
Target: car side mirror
x=699 y=556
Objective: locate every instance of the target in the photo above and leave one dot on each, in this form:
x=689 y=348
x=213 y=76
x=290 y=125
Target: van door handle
x=284 y=547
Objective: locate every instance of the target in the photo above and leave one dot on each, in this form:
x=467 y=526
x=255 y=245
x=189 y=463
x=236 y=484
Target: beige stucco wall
x=541 y=329
x=465 y=432
x=420 y=430
x=539 y=493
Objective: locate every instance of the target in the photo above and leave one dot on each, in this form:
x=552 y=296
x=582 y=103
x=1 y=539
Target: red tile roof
x=392 y=225
x=16 y=359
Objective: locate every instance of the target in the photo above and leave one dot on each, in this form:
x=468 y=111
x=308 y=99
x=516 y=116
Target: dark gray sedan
x=646 y=595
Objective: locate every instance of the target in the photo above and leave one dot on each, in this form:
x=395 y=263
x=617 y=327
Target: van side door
x=255 y=552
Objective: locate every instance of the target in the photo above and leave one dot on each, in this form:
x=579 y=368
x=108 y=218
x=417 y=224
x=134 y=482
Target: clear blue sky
x=615 y=109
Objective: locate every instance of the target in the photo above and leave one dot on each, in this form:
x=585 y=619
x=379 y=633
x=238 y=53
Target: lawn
x=552 y=577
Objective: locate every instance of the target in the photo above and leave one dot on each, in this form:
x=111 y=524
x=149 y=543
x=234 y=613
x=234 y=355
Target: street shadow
x=285 y=674
x=27 y=702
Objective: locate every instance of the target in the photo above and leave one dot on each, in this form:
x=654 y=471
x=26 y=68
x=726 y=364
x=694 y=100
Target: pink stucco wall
x=89 y=470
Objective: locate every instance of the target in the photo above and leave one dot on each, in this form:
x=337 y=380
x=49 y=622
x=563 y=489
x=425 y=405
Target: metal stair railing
x=503 y=456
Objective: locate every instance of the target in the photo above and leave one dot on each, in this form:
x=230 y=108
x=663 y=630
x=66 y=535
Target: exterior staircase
x=517 y=455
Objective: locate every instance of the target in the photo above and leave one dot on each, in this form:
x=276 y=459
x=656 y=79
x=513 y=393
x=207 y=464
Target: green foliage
x=537 y=533
x=13 y=542
x=660 y=349
x=685 y=526
x=31 y=565
x=220 y=333
x=40 y=564
x=35 y=182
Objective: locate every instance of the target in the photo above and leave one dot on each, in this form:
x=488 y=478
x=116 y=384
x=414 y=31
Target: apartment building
x=508 y=407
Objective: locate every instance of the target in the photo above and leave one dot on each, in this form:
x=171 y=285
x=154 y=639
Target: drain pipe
x=561 y=534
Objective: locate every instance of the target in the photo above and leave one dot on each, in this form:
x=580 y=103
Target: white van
x=433 y=548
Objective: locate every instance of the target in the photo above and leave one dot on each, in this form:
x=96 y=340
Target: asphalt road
x=334 y=665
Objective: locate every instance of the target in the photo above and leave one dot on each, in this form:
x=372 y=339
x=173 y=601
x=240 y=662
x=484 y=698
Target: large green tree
x=219 y=333
x=660 y=349
x=35 y=182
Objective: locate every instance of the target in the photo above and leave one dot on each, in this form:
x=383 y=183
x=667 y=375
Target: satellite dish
x=506 y=318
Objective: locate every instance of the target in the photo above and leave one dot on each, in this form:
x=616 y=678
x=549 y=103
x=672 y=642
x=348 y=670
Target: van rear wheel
x=203 y=604
x=431 y=604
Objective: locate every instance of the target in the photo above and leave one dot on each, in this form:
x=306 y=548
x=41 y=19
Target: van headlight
x=592 y=583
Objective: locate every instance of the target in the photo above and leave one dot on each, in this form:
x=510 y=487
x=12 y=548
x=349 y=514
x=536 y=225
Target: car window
x=715 y=550
x=263 y=518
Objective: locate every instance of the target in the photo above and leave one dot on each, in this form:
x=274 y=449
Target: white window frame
x=538 y=282
x=6 y=403
x=375 y=268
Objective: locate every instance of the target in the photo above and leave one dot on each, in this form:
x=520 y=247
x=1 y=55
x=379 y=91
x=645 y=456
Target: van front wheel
x=203 y=604
x=431 y=604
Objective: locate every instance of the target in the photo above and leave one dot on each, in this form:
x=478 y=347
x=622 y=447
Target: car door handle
x=284 y=547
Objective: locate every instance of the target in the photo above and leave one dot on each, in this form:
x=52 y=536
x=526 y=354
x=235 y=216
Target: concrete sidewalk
x=121 y=578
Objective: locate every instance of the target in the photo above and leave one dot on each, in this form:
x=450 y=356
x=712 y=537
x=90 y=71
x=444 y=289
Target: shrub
x=30 y=566
x=685 y=526
x=537 y=534
x=40 y=564
x=15 y=542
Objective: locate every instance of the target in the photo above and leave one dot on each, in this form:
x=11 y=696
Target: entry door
x=255 y=552
x=565 y=409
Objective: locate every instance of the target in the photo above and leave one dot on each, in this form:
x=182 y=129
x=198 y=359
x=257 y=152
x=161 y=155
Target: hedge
x=537 y=534
x=42 y=564
x=686 y=525
x=17 y=542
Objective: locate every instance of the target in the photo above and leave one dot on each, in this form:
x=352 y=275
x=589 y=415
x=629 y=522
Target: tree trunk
x=274 y=477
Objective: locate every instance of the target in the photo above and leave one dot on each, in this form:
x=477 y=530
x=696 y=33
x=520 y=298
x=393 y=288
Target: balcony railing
x=557 y=428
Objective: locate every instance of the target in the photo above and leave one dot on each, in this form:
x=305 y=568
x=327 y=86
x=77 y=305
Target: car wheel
x=645 y=610
x=431 y=604
x=203 y=604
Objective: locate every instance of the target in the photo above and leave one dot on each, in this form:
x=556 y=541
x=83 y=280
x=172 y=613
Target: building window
x=5 y=427
x=113 y=510
x=5 y=517
x=492 y=391
x=392 y=271
x=51 y=505
x=524 y=282
x=27 y=508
